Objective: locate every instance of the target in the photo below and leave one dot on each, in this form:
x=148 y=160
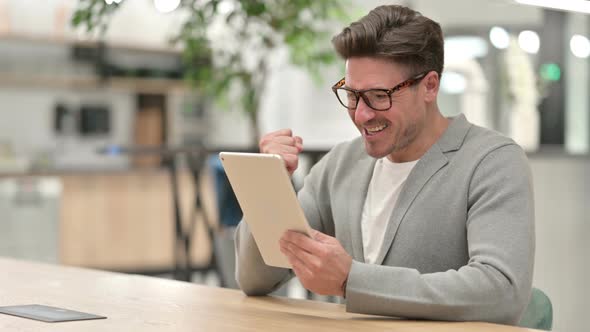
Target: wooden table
x=139 y=303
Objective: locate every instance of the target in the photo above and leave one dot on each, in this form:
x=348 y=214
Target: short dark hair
x=396 y=33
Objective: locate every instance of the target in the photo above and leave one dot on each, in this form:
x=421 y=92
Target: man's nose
x=363 y=112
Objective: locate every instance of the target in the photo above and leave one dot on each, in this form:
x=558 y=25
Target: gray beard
x=408 y=136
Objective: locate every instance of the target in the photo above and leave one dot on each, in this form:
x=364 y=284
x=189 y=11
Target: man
x=420 y=217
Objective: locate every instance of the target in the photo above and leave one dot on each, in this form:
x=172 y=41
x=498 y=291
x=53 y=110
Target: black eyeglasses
x=376 y=99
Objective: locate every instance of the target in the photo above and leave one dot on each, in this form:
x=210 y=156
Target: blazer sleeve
x=495 y=284
x=253 y=276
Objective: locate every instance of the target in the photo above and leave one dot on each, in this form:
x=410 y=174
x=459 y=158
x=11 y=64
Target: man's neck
x=432 y=131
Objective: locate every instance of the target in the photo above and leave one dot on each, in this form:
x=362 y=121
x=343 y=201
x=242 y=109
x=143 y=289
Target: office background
x=70 y=193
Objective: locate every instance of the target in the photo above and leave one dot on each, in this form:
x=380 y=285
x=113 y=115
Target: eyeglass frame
x=361 y=93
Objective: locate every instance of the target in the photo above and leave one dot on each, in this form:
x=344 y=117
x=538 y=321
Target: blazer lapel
x=428 y=165
x=356 y=196
x=432 y=161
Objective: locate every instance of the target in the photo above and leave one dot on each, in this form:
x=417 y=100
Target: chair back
x=538 y=313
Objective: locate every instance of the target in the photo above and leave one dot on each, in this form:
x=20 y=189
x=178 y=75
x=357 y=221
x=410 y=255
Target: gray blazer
x=459 y=244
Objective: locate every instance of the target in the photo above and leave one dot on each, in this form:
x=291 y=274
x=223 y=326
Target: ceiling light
x=499 y=37
x=166 y=6
x=580 y=46
x=581 y=6
x=529 y=41
x=226 y=7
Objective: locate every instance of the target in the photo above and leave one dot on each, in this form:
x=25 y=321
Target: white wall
x=562 y=191
x=577 y=84
x=294 y=100
x=470 y=13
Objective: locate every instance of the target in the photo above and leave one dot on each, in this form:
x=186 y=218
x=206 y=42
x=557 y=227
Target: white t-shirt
x=386 y=183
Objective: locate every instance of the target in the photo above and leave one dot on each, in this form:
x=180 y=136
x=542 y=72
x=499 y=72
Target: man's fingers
x=286 y=140
x=280 y=132
x=283 y=143
x=297 y=263
x=281 y=149
x=277 y=144
x=309 y=260
x=291 y=162
x=271 y=138
x=319 y=236
x=299 y=143
x=305 y=243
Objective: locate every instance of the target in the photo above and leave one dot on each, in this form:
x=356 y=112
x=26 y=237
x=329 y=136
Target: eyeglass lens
x=377 y=99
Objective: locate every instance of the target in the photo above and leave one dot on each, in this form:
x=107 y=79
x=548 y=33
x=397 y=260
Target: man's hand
x=283 y=143
x=321 y=263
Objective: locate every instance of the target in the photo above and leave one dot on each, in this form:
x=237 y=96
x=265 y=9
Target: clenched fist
x=283 y=143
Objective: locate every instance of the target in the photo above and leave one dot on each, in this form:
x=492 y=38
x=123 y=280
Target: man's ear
x=432 y=83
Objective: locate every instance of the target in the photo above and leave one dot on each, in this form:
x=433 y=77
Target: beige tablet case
x=267 y=198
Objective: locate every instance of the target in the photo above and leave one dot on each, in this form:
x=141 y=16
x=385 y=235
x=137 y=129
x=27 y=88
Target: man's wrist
x=345 y=282
x=343 y=287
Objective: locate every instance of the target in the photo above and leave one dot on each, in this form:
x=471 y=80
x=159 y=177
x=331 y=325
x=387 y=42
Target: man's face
x=385 y=132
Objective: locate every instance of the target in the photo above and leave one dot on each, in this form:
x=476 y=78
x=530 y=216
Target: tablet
x=264 y=191
x=47 y=314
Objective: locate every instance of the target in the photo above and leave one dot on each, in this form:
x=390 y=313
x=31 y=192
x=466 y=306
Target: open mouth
x=371 y=131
